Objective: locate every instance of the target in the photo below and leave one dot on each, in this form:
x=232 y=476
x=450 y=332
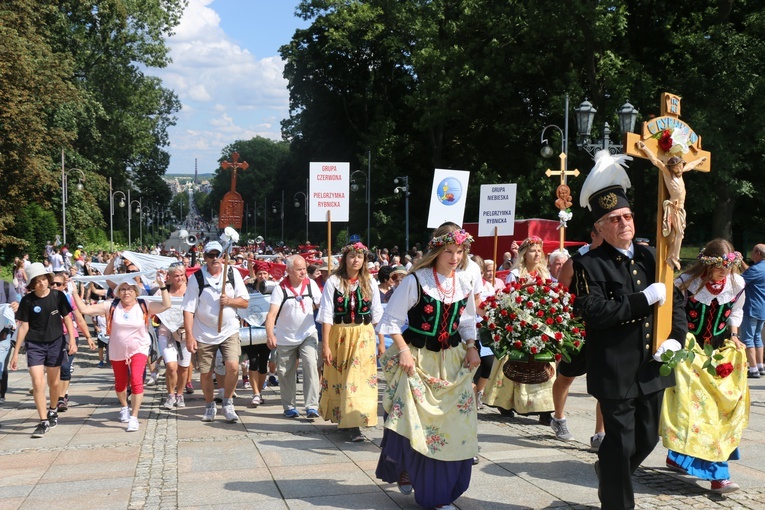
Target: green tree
x=34 y=80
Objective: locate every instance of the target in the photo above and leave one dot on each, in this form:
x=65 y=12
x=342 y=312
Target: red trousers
x=134 y=370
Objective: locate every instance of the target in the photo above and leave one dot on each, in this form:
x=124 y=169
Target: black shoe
x=52 y=418
x=545 y=419
x=41 y=430
x=753 y=375
x=356 y=435
x=63 y=404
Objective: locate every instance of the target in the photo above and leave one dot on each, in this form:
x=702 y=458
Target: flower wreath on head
x=356 y=248
x=728 y=260
x=456 y=237
x=529 y=241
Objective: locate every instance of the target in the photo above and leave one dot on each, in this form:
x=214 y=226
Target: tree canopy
x=469 y=84
x=72 y=79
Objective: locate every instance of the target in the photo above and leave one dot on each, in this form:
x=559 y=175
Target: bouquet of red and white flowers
x=532 y=322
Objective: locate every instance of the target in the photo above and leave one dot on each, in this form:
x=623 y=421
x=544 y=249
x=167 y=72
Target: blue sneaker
x=291 y=413
x=273 y=381
x=312 y=413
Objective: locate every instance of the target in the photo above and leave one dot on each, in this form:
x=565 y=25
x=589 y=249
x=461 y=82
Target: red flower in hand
x=724 y=370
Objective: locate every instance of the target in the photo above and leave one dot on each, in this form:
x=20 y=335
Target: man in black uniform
x=615 y=290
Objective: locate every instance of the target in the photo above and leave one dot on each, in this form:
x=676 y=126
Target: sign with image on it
x=328 y=191
x=448 y=197
x=497 y=209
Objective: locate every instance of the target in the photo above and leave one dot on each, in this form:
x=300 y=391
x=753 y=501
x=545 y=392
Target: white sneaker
x=151 y=380
x=230 y=413
x=179 y=402
x=210 y=412
x=170 y=402
x=133 y=424
x=125 y=414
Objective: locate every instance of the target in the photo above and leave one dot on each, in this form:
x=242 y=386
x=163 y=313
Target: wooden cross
x=232 y=206
x=235 y=165
x=563 y=192
x=696 y=159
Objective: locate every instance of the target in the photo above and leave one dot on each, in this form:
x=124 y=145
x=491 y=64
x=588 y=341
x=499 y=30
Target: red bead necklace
x=715 y=288
x=443 y=335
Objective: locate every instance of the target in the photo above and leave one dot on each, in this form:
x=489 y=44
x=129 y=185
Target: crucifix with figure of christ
x=674 y=148
x=232 y=206
x=563 y=192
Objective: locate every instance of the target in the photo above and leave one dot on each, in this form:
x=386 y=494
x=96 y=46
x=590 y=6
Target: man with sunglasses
x=201 y=308
x=616 y=294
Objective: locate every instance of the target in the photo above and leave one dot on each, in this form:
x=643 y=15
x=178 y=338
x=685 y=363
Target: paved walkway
x=270 y=462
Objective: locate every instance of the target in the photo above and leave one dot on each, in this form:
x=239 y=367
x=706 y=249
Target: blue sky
x=227 y=73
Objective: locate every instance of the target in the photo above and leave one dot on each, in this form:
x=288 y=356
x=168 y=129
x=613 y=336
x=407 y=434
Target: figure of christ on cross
x=673 y=224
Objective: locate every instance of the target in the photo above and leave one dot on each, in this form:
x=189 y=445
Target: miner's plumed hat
x=605 y=188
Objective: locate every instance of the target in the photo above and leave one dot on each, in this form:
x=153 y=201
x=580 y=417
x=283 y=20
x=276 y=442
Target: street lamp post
x=585 y=114
x=367 y=192
x=273 y=210
x=405 y=190
x=65 y=190
x=305 y=202
x=141 y=217
x=130 y=215
x=111 y=211
x=262 y=210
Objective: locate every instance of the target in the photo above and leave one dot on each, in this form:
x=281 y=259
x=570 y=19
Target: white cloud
x=227 y=93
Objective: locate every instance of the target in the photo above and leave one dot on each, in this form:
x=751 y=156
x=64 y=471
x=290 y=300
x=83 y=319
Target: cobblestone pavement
x=268 y=461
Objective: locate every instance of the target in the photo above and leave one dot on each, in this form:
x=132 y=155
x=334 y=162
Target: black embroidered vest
x=708 y=323
x=358 y=312
x=427 y=319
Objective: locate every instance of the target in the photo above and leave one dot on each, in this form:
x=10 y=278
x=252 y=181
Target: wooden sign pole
x=658 y=133
x=329 y=242
x=563 y=192
x=496 y=239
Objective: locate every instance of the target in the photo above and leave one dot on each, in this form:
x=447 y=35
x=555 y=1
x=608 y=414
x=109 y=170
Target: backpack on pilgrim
x=154 y=351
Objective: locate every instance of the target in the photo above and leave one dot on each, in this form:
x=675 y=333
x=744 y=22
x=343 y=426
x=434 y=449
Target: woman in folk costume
x=510 y=396
x=704 y=415
x=430 y=435
x=350 y=306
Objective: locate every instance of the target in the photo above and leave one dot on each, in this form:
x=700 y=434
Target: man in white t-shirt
x=56 y=260
x=291 y=330
x=200 y=319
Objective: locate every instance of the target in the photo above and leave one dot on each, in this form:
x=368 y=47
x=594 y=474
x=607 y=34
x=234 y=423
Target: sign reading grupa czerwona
x=532 y=322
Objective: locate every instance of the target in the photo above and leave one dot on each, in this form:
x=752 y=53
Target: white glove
x=669 y=345
x=656 y=293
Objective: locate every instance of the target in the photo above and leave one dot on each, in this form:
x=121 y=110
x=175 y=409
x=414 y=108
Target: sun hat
x=37 y=269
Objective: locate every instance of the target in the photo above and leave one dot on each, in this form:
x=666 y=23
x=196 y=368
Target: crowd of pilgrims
x=414 y=316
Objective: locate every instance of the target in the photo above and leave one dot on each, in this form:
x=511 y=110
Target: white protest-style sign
x=257 y=309
x=448 y=198
x=497 y=209
x=328 y=190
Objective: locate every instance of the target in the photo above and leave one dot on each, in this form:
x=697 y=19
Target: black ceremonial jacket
x=619 y=322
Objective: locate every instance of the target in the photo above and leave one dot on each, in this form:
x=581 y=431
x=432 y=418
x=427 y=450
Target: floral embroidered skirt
x=431 y=424
x=349 y=385
x=521 y=398
x=704 y=416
